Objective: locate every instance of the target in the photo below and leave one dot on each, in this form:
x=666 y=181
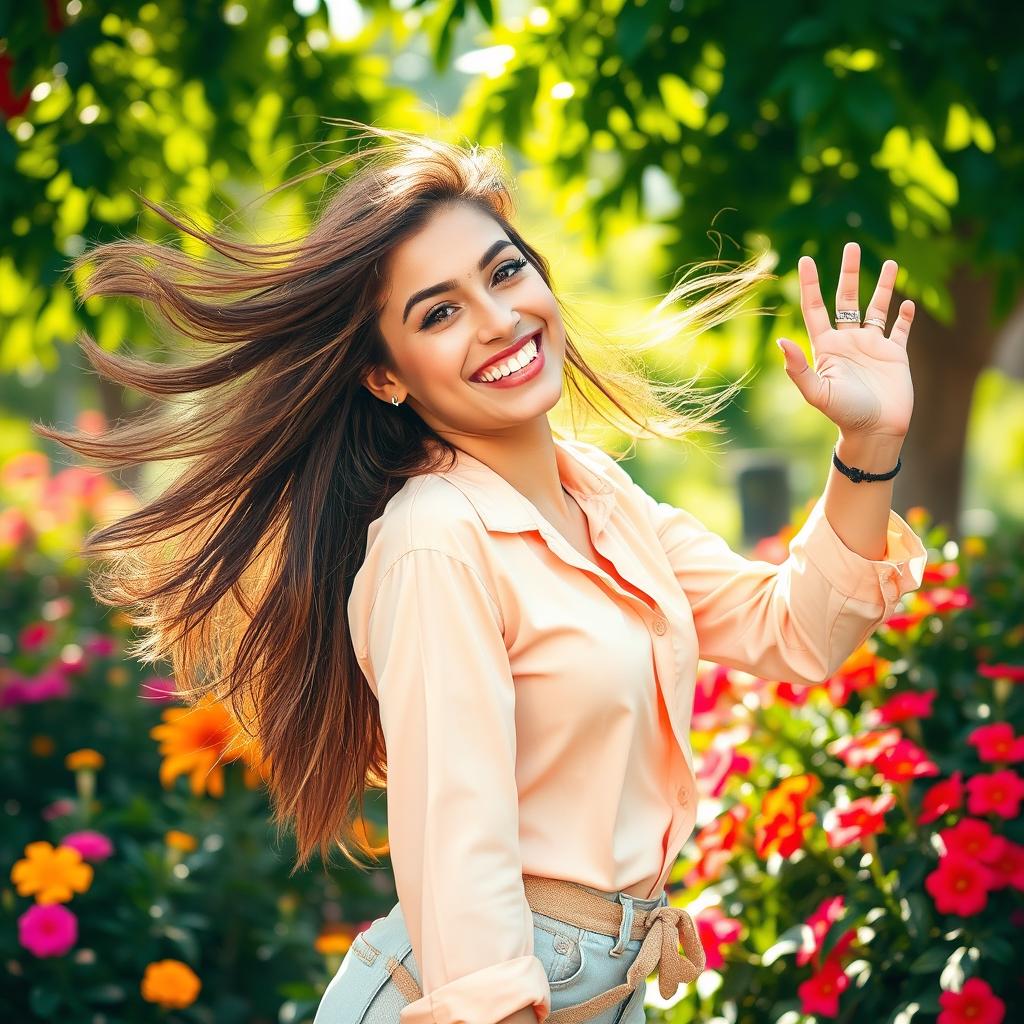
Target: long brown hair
x=238 y=572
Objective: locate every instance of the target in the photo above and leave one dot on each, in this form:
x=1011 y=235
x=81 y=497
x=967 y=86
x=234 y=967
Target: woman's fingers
x=812 y=305
x=878 y=308
x=848 y=292
x=901 y=329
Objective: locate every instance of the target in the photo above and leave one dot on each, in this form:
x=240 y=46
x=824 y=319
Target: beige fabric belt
x=661 y=929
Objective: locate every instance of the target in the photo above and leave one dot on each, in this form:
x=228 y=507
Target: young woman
x=384 y=558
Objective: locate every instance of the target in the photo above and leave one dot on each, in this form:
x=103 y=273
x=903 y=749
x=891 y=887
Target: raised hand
x=861 y=377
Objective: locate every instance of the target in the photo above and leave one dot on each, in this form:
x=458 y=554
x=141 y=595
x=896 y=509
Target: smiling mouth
x=477 y=378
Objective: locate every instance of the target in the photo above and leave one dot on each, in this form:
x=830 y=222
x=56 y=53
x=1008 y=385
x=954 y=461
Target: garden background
x=859 y=851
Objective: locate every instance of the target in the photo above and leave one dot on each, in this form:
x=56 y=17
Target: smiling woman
x=413 y=330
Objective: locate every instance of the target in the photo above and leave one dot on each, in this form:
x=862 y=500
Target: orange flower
x=197 y=741
x=180 y=841
x=42 y=746
x=51 y=874
x=334 y=938
x=86 y=758
x=368 y=833
x=170 y=983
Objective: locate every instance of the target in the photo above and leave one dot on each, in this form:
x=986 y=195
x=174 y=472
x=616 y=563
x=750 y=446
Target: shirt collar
x=504 y=509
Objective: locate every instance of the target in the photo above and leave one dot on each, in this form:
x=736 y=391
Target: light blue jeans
x=579 y=964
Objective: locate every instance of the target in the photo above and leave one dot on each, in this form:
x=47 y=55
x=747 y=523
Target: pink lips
x=507 y=354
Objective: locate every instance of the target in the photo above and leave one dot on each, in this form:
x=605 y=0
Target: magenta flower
x=48 y=929
x=102 y=646
x=159 y=688
x=34 y=636
x=92 y=845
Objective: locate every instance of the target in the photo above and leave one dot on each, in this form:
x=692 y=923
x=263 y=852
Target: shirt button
x=660 y=627
x=562 y=944
x=683 y=795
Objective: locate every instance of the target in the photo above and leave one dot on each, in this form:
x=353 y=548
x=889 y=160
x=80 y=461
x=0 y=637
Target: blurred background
x=644 y=138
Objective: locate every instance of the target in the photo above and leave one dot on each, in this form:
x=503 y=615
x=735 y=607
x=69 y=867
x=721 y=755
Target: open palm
x=861 y=378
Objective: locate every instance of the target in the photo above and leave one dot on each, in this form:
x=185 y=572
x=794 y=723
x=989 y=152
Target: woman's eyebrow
x=445 y=286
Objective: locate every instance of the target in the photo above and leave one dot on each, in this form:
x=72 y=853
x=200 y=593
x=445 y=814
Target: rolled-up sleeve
x=797 y=621
x=437 y=660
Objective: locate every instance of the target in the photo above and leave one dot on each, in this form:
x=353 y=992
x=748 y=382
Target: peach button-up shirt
x=536 y=712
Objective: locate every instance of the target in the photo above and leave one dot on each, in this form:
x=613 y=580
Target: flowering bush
x=860 y=854
x=140 y=878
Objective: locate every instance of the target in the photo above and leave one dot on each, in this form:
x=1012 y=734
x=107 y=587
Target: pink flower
x=901 y=707
x=1008 y=866
x=974 y=1004
x=960 y=885
x=863 y=817
x=1002 y=671
x=58 y=809
x=997 y=793
x=972 y=838
x=16 y=691
x=816 y=927
x=716 y=766
x=820 y=993
x=715 y=930
x=102 y=646
x=48 y=929
x=34 y=635
x=158 y=688
x=50 y=684
x=92 y=845
x=864 y=748
x=996 y=743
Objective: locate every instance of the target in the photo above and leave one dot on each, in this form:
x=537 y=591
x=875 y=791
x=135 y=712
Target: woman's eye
x=513 y=266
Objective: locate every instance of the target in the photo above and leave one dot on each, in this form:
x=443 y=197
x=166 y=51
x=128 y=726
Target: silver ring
x=849 y=316
x=876 y=321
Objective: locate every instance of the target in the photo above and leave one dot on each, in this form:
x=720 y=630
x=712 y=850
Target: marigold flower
x=334 y=939
x=84 y=759
x=171 y=984
x=51 y=874
x=196 y=741
x=975 y=1003
x=42 y=746
x=49 y=930
x=180 y=841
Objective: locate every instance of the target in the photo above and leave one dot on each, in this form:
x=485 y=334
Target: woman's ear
x=382 y=383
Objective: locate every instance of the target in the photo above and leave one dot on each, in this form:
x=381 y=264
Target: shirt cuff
x=878 y=581
x=485 y=996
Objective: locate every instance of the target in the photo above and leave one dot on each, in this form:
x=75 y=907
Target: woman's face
x=461 y=293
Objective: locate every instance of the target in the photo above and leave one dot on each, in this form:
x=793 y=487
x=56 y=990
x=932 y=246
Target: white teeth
x=525 y=355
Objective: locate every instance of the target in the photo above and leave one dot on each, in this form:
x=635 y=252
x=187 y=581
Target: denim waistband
x=628 y=903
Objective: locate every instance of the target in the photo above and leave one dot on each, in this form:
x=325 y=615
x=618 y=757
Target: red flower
x=945 y=599
x=903 y=761
x=939 y=572
x=714 y=699
x=783 y=822
x=998 y=793
x=816 y=928
x=942 y=798
x=972 y=838
x=34 y=635
x=820 y=993
x=1002 y=671
x=795 y=696
x=863 y=817
x=902 y=623
x=1008 y=865
x=959 y=885
x=901 y=707
x=974 y=1004
x=715 y=930
x=859 y=750
x=996 y=743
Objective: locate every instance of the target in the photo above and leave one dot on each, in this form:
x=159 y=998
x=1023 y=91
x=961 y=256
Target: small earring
x=394 y=401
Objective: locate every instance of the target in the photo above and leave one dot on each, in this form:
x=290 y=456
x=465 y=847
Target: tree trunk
x=945 y=361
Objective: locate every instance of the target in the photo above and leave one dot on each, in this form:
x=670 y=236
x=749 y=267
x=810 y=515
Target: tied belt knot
x=668 y=926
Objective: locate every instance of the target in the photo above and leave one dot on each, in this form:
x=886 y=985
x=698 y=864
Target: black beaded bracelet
x=860 y=475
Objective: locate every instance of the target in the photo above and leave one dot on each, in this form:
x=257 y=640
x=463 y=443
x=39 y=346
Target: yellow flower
x=180 y=841
x=170 y=983
x=196 y=741
x=53 y=875
x=84 y=758
x=42 y=746
x=974 y=547
x=334 y=938
x=117 y=675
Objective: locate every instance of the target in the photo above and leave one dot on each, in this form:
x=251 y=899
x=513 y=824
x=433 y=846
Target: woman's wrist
x=874 y=453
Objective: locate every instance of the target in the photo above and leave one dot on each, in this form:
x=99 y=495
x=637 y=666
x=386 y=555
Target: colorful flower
x=181 y=841
x=92 y=845
x=974 y=838
x=816 y=928
x=47 y=930
x=861 y=818
x=35 y=635
x=1015 y=673
x=171 y=984
x=998 y=793
x=158 y=688
x=58 y=809
x=975 y=1003
x=959 y=885
x=334 y=939
x=942 y=798
x=51 y=874
x=997 y=743
x=903 y=761
x=196 y=741
x=901 y=707
x=716 y=842
x=85 y=759
x=820 y=993
x=716 y=766
x=1008 y=865
x=715 y=930
x=862 y=749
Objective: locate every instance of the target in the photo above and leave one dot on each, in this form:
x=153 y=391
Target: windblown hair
x=238 y=573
